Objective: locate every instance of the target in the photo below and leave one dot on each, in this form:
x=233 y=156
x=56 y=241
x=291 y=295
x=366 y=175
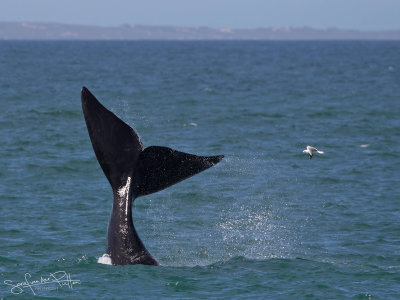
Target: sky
x=321 y=14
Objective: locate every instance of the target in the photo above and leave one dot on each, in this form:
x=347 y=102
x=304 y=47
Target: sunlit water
x=266 y=222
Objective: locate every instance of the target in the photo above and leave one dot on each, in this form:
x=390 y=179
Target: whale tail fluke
x=119 y=152
x=132 y=172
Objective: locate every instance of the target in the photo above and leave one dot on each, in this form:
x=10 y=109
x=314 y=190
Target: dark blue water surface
x=267 y=222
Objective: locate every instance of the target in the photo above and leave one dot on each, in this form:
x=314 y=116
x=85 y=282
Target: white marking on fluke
x=123 y=193
x=311 y=150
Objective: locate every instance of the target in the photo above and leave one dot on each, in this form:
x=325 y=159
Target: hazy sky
x=351 y=14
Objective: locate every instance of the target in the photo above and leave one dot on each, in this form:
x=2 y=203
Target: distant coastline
x=58 y=31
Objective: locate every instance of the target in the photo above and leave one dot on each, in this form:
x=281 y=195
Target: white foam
x=190 y=124
x=105 y=259
x=364 y=145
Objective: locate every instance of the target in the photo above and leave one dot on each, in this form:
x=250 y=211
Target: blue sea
x=266 y=223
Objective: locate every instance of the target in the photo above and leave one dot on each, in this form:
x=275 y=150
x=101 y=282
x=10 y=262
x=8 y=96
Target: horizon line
x=205 y=26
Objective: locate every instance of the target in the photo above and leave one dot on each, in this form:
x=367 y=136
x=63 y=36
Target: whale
x=132 y=172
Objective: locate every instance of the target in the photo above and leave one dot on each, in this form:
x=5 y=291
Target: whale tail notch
x=120 y=154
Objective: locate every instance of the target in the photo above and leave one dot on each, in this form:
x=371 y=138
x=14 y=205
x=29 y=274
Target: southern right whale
x=132 y=172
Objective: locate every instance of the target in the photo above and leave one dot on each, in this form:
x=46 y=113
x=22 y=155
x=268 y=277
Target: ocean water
x=266 y=222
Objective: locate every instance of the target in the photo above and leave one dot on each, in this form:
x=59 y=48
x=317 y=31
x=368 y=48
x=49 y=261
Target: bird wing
x=311 y=149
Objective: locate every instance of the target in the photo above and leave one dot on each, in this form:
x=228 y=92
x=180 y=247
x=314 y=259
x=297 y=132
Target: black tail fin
x=116 y=145
x=119 y=151
x=161 y=167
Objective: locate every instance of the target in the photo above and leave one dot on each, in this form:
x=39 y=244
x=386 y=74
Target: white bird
x=311 y=150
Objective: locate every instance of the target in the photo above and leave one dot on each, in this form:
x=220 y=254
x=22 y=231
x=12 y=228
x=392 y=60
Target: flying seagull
x=311 y=150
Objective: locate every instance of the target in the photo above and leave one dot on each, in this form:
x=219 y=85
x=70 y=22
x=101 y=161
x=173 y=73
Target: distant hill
x=56 y=31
